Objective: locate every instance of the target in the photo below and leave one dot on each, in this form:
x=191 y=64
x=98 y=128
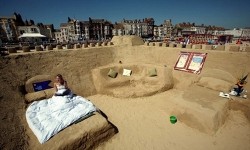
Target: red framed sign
x=190 y=62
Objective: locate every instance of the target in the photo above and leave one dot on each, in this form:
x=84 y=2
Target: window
x=22 y=31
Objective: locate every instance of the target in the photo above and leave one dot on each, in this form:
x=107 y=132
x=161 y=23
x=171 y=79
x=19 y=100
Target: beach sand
x=143 y=122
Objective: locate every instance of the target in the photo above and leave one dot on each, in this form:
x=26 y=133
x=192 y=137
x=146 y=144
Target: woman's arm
x=66 y=84
x=55 y=87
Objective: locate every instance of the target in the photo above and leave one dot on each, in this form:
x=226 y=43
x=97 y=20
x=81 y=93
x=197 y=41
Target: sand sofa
x=144 y=80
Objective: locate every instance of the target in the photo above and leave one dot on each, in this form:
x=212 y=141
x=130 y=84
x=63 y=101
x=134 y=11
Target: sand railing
x=12 y=49
x=26 y=49
x=49 y=47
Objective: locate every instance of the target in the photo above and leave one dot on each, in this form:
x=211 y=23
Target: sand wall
x=235 y=63
x=76 y=65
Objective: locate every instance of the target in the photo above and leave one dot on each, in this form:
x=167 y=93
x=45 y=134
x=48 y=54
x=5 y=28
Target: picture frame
x=191 y=62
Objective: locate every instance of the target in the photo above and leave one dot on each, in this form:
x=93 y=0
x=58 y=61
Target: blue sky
x=226 y=13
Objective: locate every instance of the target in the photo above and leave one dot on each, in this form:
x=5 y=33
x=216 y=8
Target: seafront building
x=239 y=33
x=142 y=28
x=165 y=30
x=75 y=30
x=8 y=27
x=14 y=29
x=46 y=30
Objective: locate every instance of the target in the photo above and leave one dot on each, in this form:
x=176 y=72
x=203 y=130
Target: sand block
x=85 y=45
x=219 y=47
x=189 y=46
x=201 y=108
x=68 y=46
x=172 y=45
x=232 y=48
x=99 y=44
x=38 y=48
x=77 y=46
x=49 y=47
x=26 y=49
x=207 y=47
x=159 y=44
x=179 y=45
x=110 y=43
x=196 y=46
x=151 y=44
x=92 y=45
x=165 y=44
x=59 y=47
x=104 y=43
x=12 y=50
x=87 y=134
x=137 y=85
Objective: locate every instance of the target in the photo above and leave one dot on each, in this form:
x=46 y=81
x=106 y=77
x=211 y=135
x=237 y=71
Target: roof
x=57 y=30
x=118 y=26
x=63 y=24
x=31 y=35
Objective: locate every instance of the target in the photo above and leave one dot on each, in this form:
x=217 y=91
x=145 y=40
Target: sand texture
x=205 y=120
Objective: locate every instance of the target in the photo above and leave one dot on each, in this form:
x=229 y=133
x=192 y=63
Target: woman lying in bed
x=61 y=86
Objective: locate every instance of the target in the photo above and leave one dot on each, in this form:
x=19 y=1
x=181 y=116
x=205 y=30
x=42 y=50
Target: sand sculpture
x=96 y=128
x=140 y=83
x=192 y=98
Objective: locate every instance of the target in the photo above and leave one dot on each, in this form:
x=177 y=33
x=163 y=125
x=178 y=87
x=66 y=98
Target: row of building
x=14 y=28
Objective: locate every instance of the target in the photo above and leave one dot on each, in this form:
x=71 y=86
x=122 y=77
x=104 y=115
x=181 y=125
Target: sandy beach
x=143 y=123
x=205 y=120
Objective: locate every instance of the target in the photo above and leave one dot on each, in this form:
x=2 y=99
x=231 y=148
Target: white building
x=168 y=28
x=118 y=29
x=159 y=32
x=216 y=32
x=195 y=30
x=142 y=28
x=239 y=33
x=64 y=32
x=58 y=35
x=40 y=33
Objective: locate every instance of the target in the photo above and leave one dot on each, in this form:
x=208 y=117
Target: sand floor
x=143 y=123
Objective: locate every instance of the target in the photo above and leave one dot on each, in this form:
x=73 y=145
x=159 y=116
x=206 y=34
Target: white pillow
x=127 y=72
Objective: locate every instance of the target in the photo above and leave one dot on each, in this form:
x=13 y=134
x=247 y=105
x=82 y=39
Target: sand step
x=201 y=108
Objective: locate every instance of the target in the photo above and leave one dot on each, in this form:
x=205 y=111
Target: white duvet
x=47 y=117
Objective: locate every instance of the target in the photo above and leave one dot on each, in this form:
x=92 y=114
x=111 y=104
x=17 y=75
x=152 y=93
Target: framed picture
x=182 y=61
x=190 y=62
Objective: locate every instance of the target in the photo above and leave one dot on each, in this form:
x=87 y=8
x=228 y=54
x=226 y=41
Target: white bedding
x=47 y=117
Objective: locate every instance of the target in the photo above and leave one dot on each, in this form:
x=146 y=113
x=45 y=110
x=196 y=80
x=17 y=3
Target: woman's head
x=59 y=78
